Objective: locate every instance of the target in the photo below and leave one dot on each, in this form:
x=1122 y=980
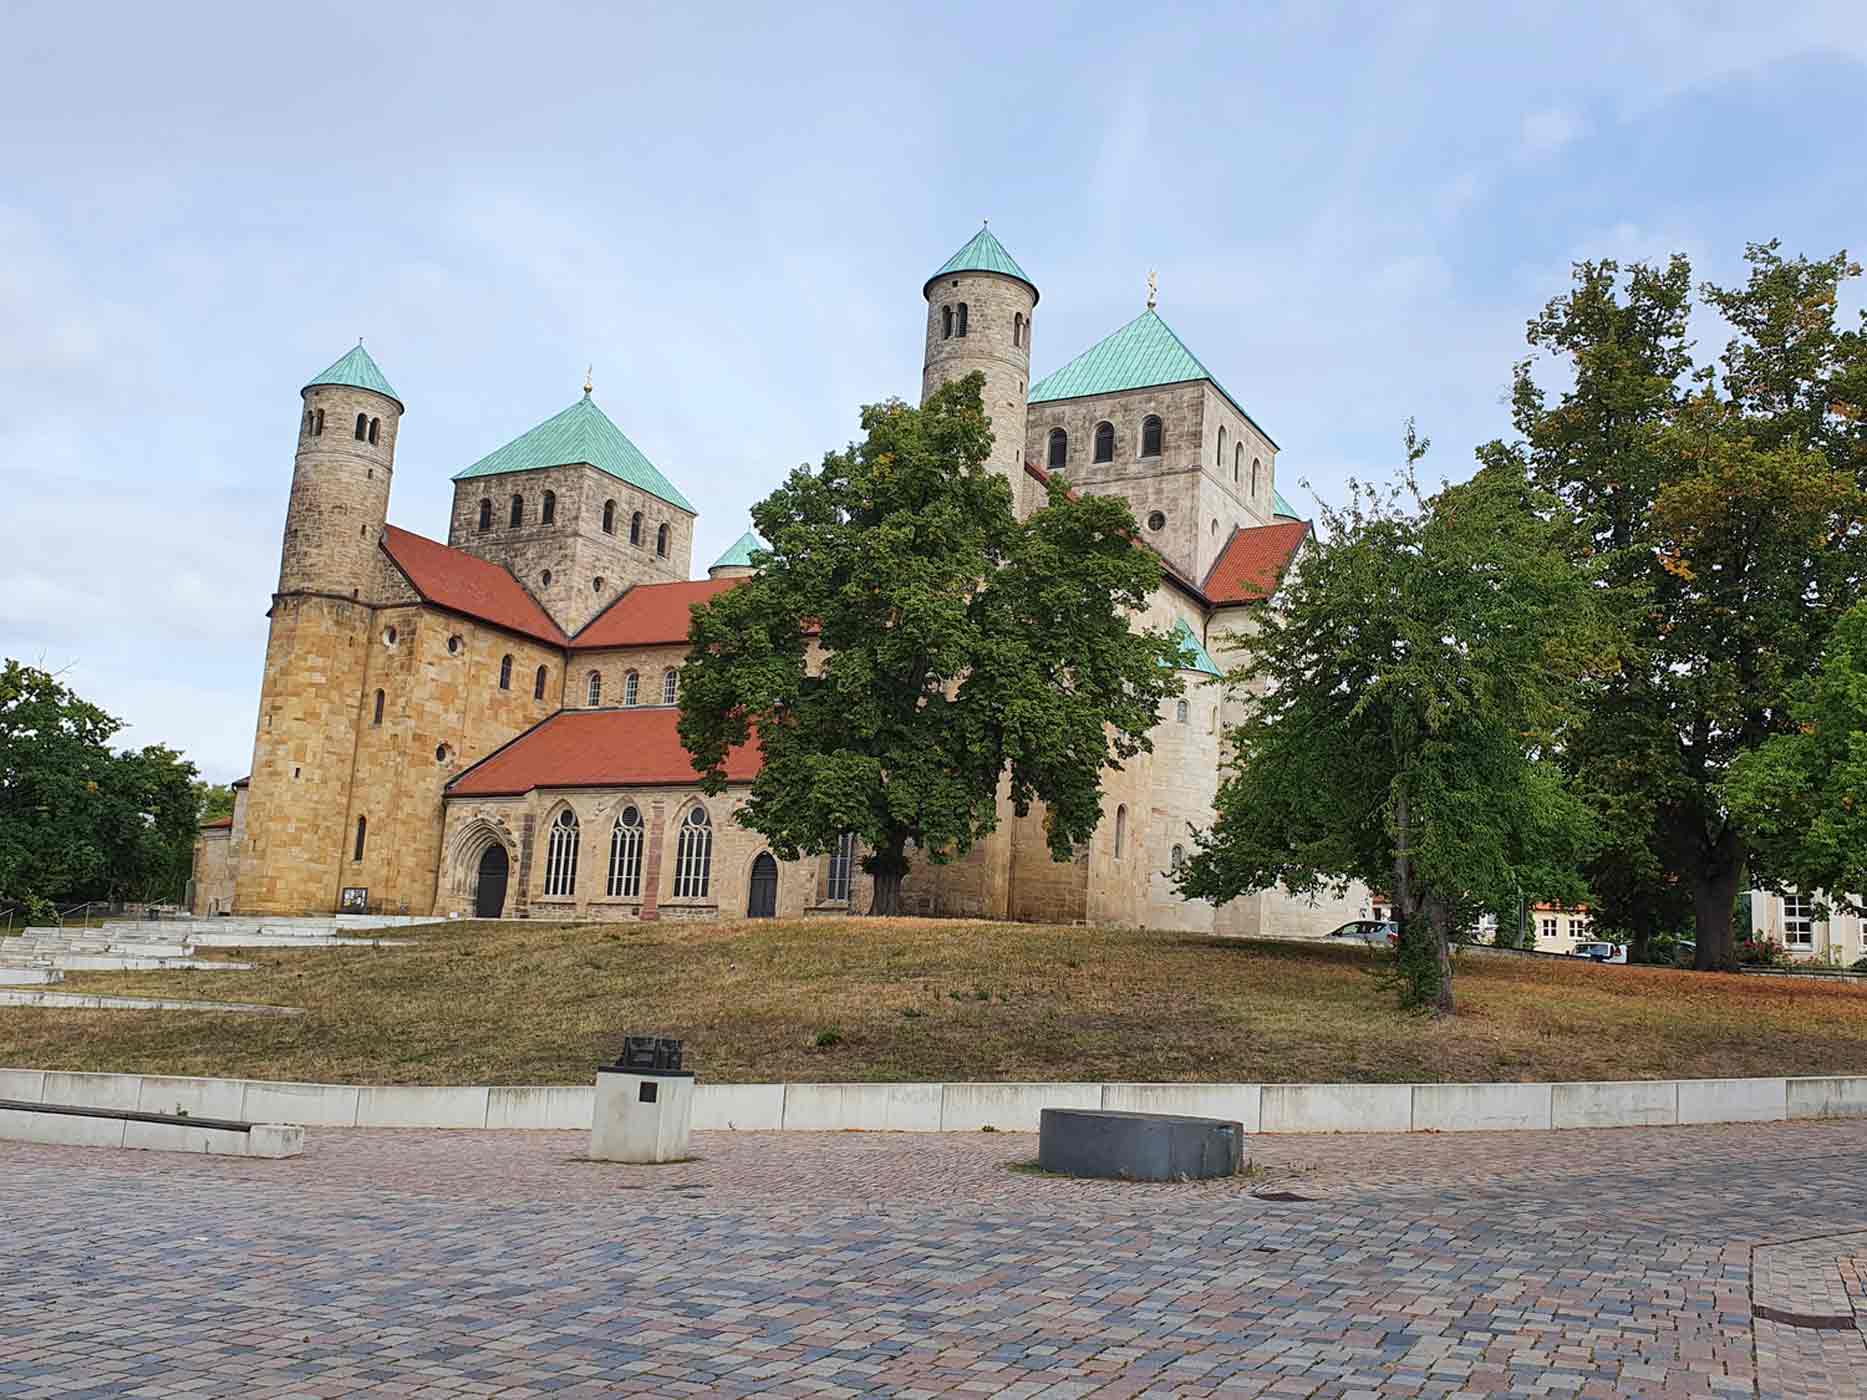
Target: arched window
x=1105 y=442
x=693 y=859
x=363 y=426
x=549 y=514
x=379 y=700
x=1017 y=329
x=375 y=423
x=631 y=684
x=1121 y=830
x=669 y=686
x=1178 y=858
x=596 y=688
x=363 y=831
x=561 y=862
x=635 y=528
x=1238 y=463
x=1254 y=478
x=1059 y=449
x=1221 y=458
x=505 y=673
x=518 y=511
x=538 y=684
x=1150 y=436
x=625 y=855
x=661 y=541
x=960 y=329
x=486 y=515
x=946 y=323
x=1179 y=712
x=609 y=517
x=317 y=429
x=842 y=868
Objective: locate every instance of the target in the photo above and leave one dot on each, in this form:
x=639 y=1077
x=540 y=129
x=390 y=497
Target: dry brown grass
x=918 y=999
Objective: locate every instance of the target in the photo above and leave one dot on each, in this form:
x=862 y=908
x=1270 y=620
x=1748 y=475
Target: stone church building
x=486 y=726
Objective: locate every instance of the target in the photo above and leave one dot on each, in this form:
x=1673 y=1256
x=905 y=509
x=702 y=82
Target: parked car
x=1601 y=952
x=1376 y=933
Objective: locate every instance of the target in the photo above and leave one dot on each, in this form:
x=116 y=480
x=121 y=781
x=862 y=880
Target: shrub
x=1761 y=952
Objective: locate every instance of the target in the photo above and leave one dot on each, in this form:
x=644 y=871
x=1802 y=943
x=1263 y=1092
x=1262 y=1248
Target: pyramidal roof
x=356 y=370
x=1196 y=657
x=581 y=433
x=1141 y=355
x=740 y=555
x=983 y=253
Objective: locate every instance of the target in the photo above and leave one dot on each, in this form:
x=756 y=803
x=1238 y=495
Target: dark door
x=490 y=902
x=763 y=903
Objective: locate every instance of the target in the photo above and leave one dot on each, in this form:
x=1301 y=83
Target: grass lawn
x=862 y=999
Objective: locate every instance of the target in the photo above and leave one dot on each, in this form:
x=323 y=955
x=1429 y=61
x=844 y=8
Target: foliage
x=1725 y=517
x=908 y=645
x=213 y=801
x=1762 y=952
x=1802 y=796
x=1409 y=681
x=79 y=820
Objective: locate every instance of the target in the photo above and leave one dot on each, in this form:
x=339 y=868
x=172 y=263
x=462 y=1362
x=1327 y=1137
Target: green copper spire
x=740 y=555
x=357 y=370
x=581 y=433
x=983 y=253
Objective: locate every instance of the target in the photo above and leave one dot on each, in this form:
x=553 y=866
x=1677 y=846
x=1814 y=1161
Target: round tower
x=979 y=307
x=340 y=479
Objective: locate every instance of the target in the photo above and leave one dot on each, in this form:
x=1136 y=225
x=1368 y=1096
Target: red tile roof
x=632 y=747
x=218 y=824
x=1252 y=564
x=453 y=579
x=650 y=614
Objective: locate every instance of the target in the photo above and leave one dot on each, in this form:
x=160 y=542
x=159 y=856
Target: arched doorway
x=762 y=903
x=489 y=900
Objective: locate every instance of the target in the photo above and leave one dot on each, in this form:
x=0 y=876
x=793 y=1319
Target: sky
x=729 y=213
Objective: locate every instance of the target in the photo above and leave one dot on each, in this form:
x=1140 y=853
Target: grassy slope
x=927 y=999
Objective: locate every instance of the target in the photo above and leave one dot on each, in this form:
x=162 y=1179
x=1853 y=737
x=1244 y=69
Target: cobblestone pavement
x=1570 y=1264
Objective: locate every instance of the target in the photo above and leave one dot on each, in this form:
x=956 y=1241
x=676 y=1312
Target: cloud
x=1547 y=131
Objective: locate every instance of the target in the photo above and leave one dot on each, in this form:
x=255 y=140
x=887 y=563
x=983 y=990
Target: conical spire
x=740 y=555
x=356 y=370
x=983 y=253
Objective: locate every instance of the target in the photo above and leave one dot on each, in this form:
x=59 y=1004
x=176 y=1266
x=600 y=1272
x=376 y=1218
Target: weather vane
x=588 y=383
x=1153 y=290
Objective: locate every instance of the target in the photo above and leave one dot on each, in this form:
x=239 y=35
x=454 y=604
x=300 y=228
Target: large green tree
x=1410 y=681
x=1725 y=513
x=908 y=644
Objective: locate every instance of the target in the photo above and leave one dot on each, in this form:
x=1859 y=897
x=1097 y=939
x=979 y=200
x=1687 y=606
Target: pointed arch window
x=379 y=700
x=486 y=514
x=363 y=427
x=631 y=686
x=635 y=528
x=693 y=860
x=842 y=868
x=946 y=323
x=661 y=541
x=1105 y=442
x=538 y=684
x=1121 y=830
x=561 y=862
x=625 y=855
x=1059 y=449
x=596 y=688
x=669 y=686
x=960 y=327
x=363 y=831
x=505 y=673
x=1150 y=436
x=548 y=513
x=609 y=517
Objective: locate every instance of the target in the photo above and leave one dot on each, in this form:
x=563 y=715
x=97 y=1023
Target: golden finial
x=1153 y=290
x=588 y=384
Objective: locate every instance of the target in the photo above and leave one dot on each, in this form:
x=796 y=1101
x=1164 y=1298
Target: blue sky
x=730 y=213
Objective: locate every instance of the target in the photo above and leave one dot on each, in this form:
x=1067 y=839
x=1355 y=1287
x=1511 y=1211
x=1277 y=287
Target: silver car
x=1376 y=933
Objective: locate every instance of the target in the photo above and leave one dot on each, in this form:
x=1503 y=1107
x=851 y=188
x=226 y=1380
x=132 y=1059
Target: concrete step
x=86 y=1001
x=271 y=940
x=129 y=962
x=12 y=976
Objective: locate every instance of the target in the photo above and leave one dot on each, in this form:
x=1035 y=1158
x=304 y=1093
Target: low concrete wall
x=76 y=1130
x=1011 y=1108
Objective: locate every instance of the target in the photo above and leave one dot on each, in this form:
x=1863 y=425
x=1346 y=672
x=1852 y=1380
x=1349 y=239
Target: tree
x=214 y=800
x=1802 y=795
x=1727 y=524
x=1412 y=676
x=907 y=643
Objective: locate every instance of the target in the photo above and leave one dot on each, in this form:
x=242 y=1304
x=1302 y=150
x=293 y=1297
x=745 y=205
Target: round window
x=631 y=816
x=1156 y=521
x=441 y=753
x=388 y=636
x=454 y=645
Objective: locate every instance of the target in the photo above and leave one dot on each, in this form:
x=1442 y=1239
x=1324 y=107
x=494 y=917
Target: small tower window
x=379 y=700
x=317 y=428
x=1121 y=830
x=668 y=686
x=1105 y=442
x=363 y=829
x=661 y=542
x=1221 y=458
x=1150 y=436
x=1017 y=329
x=363 y=432
x=486 y=515
x=308 y=420
x=635 y=528
x=1059 y=449
x=630 y=684
x=946 y=323
x=518 y=511
x=548 y=513
x=505 y=673
x=609 y=517
x=1179 y=712
x=596 y=688
x=960 y=329
x=1178 y=858
x=375 y=424
x=538 y=684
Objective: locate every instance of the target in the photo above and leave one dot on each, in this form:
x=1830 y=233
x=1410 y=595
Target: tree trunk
x=1640 y=944
x=1715 y=887
x=888 y=865
x=1438 y=926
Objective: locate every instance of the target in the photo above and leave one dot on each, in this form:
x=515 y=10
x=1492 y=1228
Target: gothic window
x=842 y=866
x=635 y=528
x=631 y=683
x=1017 y=329
x=668 y=685
x=379 y=700
x=1150 y=436
x=518 y=511
x=946 y=323
x=363 y=426
x=693 y=860
x=375 y=423
x=505 y=673
x=549 y=513
x=1179 y=712
x=960 y=328
x=596 y=688
x=625 y=855
x=538 y=684
x=1221 y=461
x=1105 y=442
x=1121 y=830
x=486 y=515
x=1059 y=449
x=1254 y=478
x=561 y=863
x=363 y=829
x=661 y=542
x=609 y=517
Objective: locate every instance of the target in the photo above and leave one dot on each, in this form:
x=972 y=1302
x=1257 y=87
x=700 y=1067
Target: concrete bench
x=74 y=1125
x=1138 y=1146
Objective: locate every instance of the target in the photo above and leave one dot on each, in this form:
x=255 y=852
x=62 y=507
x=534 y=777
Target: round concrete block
x=1138 y=1146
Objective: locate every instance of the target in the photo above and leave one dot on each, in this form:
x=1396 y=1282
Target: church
x=486 y=727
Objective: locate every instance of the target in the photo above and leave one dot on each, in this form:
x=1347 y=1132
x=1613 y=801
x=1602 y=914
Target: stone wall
x=648 y=663
x=212 y=872
x=993 y=302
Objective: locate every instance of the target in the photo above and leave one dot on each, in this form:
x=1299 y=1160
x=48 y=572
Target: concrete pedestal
x=1138 y=1146
x=641 y=1115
